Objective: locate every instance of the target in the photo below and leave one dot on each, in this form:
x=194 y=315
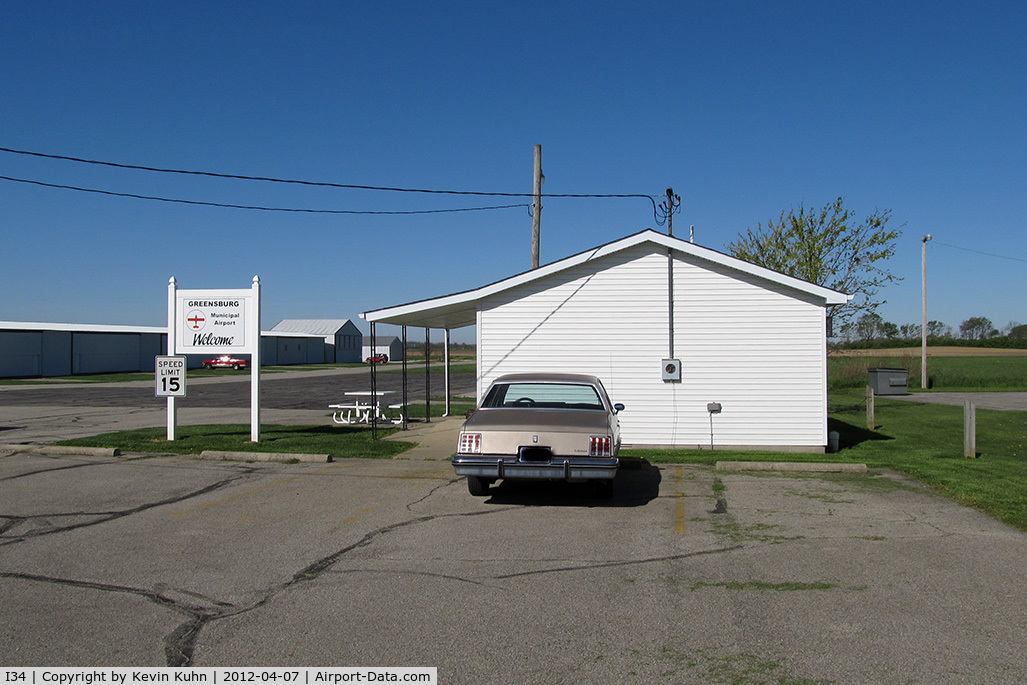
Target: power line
x=254 y=207
x=989 y=254
x=326 y=184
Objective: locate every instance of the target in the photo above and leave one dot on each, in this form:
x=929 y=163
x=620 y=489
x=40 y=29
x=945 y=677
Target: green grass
x=458 y=406
x=339 y=442
x=418 y=367
x=945 y=373
x=85 y=379
x=921 y=440
x=977 y=373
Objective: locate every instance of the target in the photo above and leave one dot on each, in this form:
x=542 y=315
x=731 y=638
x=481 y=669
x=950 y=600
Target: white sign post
x=217 y=322
x=172 y=400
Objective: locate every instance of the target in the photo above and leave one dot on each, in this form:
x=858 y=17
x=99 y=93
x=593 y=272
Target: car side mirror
x=618 y=408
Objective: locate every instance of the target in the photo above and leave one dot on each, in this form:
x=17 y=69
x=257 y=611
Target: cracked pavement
x=687 y=575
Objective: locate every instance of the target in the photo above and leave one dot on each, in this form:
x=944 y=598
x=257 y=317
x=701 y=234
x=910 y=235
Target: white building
x=59 y=349
x=748 y=338
x=31 y=349
x=342 y=339
x=389 y=345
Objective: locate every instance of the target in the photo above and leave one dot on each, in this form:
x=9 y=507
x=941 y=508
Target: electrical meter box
x=671 y=370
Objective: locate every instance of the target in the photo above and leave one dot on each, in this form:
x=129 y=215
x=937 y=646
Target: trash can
x=886 y=381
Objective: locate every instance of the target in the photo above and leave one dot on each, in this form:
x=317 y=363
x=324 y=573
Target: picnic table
x=366 y=405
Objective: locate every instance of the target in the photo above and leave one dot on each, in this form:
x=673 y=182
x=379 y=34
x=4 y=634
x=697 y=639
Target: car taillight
x=470 y=443
x=599 y=446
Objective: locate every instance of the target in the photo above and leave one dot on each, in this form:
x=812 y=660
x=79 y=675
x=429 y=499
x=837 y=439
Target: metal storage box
x=887 y=381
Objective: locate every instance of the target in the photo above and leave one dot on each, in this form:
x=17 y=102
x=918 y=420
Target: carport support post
x=427 y=375
x=870 y=408
x=969 y=429
x=172 y=333
x=404 y=409
x=374 y=384
x=446 y=413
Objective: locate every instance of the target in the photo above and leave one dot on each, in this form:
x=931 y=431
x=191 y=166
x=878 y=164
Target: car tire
x=208 y=366
x=477 y=486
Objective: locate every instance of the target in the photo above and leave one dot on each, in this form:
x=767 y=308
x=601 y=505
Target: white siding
x=756 y=347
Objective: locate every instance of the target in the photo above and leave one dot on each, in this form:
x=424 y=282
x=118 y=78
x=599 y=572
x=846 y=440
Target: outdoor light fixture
x=712 y=408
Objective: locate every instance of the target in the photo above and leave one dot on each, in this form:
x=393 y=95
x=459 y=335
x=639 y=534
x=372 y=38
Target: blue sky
x=746 y=109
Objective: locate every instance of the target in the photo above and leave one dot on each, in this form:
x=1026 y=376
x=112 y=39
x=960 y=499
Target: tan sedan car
x=541 y=426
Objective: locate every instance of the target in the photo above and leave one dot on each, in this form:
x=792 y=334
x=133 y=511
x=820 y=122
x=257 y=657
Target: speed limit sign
x=170 y=378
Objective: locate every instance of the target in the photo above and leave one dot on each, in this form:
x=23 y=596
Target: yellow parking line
x=679 y=504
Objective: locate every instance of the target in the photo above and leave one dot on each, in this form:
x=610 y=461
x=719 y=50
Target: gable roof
x=380 y=340
x=323 y=327
x=460 y=309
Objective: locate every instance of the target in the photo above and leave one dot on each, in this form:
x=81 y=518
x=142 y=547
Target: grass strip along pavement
x=338 y=442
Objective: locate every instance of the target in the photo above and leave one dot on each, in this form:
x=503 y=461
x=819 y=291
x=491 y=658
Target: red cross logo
x=196 y=319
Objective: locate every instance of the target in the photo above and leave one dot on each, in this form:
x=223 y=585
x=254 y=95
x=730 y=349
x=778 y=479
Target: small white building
x=342 y=338
x=747 y=338
x=389 y=345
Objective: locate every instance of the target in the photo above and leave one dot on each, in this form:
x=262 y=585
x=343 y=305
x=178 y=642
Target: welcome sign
x=213 y=321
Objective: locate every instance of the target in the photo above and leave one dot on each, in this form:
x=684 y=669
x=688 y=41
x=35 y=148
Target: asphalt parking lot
x=688 y=575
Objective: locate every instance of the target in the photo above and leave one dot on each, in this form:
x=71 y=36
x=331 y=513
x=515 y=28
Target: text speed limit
x=170 y=377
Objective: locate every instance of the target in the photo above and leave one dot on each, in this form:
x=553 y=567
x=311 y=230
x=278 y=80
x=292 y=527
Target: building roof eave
x=460 y=309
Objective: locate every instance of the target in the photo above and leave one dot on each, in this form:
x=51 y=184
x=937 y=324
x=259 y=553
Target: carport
x=673 y=327
x=447 y=313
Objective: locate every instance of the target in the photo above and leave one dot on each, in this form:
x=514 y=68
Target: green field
x=945 y=373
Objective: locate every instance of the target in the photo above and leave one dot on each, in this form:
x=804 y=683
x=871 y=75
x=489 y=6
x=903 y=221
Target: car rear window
x=544 y=396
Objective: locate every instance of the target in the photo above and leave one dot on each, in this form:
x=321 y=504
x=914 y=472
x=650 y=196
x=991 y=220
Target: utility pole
x=923 y=327
x=536 y=207
x=667 y=209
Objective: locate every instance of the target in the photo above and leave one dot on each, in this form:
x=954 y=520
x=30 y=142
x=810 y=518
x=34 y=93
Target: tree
x=910 y=330
x=869 y=327
x=937 y=329
x=976 y=328
x=827 y=247
x=1018 y=332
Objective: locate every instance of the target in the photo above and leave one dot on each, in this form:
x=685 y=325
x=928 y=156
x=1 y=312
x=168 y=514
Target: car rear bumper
x=558 y=468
